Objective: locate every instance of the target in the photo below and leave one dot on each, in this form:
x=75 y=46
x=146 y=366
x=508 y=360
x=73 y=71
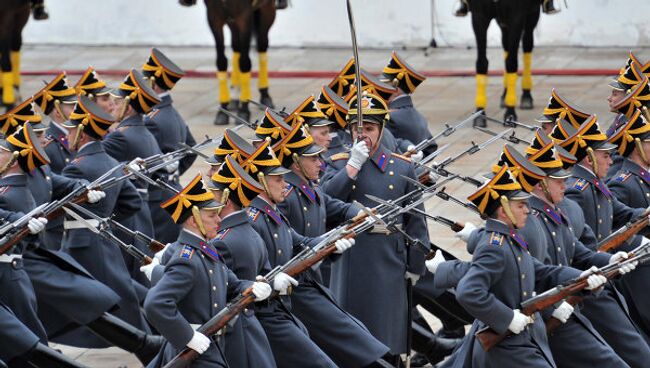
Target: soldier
x=99 y=257
x=169 y=129
x=629 y=77
x=307 y=210
x=130 y=141
x=178 y=304
x=368 y=281
x=335 y=108
x=57 y=100
x=95 y=88
x=405 y=121
x=244 y=253
x=492 y=289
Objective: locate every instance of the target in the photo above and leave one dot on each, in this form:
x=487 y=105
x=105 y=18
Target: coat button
x=275 y=236
x=308 y=224
x=391 y=173
x=210 y=272
x=559 y=249
x=304 y=208
x=523 y=276
x=525 y=293
x=279 y=251
x=600 y=221
x=518 y=259
x=214 y=288
x=599 y=236
x=390 y=186
x=354 y=187
x=216 y=305
x=67 y=160
x=598 y=206
x=553 y=233
x=391 y=161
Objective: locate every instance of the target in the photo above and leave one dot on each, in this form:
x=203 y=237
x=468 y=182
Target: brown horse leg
x=263 y=19
x=243 y=24
x=216 y=22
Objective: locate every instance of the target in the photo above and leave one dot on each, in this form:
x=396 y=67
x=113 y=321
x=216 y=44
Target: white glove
x=159 y=254
x=433 y=177
x=358 y=155
x=412 y=277
x=417 y=156
x=282 y=282
x=148 y=269
x=519 y=322
x=594 y=281
x=199 y=342
x=261 y=290
x=136 y=164
x=563 y=312
x=466 y=232
x=620 y=257
x=36 y=225
x=172 y=166
x=343 y=244
x=433 y=263
x=95 y=196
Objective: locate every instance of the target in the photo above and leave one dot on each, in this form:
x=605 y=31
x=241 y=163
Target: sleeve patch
x=401 y=157
x=580 y=184
x=340 y=156
x=253 y=213
x=496 y=239
x=187 y=252
x=623 y=176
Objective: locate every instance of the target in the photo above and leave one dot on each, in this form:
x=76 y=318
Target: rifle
x=239 y=119
x=510 y=138
x=620 y=236
x=449 y=130
x=261 y=106
x=489 y=338
x=302 y=261
x=448 y=197
x=512 y=124
x=153 y=244
x=104 y=233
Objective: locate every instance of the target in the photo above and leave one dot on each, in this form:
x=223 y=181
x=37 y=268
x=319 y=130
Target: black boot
x=548 y=7
x=480 y=120
x=463 y=9
x=281 y=4
x=43 y=356
x=38 y=10
x=433 y=347
x=265 y=98
x=222 y=118
x=127 y=337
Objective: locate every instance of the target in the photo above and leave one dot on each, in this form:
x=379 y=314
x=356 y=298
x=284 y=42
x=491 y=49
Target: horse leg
x=480 y=24
x=504 y=45
x=263 y=19
x=243 y=23
x=6 y=77
x=514 y=30
x=235 y=83
x=15 y=45
x=216 y=22
x=527 y=44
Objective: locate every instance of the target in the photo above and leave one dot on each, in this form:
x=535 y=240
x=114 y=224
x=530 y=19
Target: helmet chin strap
x=9 y=163
x=639 y=147
x=547 y=193
x=262 y=180
x=196 y=213
x=592 y=157
x=505 y=204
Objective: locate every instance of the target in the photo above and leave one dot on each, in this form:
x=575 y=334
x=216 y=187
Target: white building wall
x=380 y=23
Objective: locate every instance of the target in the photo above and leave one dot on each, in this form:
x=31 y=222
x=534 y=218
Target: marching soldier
x=503 y=274
x=169 y=129
x=369 y=280
x=178 y=304
x=95 y=88
x=245 y=254
x=629 y=77
x=405 y=121
x=101 y=258
x=57 y=100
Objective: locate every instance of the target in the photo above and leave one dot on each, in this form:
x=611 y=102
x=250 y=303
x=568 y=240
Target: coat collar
x=501 y=229
x=582 y=172
x=306 y=188
x=234 y=219
x=380 y=157
x=401 y=102
x=165 y=101
x=90 y=149
x=16 y=180
x=133 y=120
x=553 y=213
x=189 y=239
x=634 y=168
x=268 y=210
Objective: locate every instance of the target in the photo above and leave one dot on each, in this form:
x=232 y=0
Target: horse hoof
x=39 y=13
x=502 y=102
x=233 y=105
x=244 y=113
x=221 y=118
x=480 y=120
x=266 y=100
x=526 y=101
x=281 y=4
x=510 y=114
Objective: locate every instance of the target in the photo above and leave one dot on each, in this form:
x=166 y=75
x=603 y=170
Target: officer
x=405 y=121
x=178 y=304
x=95 y=88
x=101 y=258
x=244 y=253
x=368 y=281
x=169 y=129
x=130 y=141
x=307 y=210
x=503 y=274
x=631 y=186
x=57 y=100
x=575 y=343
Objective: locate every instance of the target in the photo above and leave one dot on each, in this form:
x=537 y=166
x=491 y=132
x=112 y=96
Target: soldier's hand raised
x=358 y=155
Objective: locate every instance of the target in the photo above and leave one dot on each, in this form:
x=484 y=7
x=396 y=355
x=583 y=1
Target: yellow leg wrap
x=481 y=91
x=263 y=73
x=511 y=89
x=236 y=72
x=224 y=92
x=505 y=56
x=527 y=73
x=245 y=79
x=8 y=90
x=15 y=67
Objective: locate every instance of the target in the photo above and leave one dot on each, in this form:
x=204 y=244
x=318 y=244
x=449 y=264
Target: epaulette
x=77 y=160
x=496 y=239
x=623 y=176
x=4 y=190
x=187 y=252
x=49 y=140
x=153 y=113
x=580 y=184
x=123 y=128
x=253 y=213
x=340 y=156
x=401 y=157
x=222 y=234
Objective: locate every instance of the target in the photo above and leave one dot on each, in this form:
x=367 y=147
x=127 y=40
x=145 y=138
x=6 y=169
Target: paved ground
x=442 y=99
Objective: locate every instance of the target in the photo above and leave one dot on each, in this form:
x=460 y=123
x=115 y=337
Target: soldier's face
x=105 y=102
x=211 y=222
x=615 y=97
x=520 y=212
x=5 y=156
x=277 y=188
x=556 y=189
x=212 y=169
x=369 y=134
x=603 y=162
x=311 y=165
x=72 y=135
x=67 y=110
x=42 y=138
x=321 y=136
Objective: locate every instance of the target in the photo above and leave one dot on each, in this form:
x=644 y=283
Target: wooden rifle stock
x=620 y=236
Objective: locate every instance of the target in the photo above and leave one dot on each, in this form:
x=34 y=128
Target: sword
x=440 y=168
x=357 y=67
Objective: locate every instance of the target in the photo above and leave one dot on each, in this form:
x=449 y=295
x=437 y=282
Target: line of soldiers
x=281 y=196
